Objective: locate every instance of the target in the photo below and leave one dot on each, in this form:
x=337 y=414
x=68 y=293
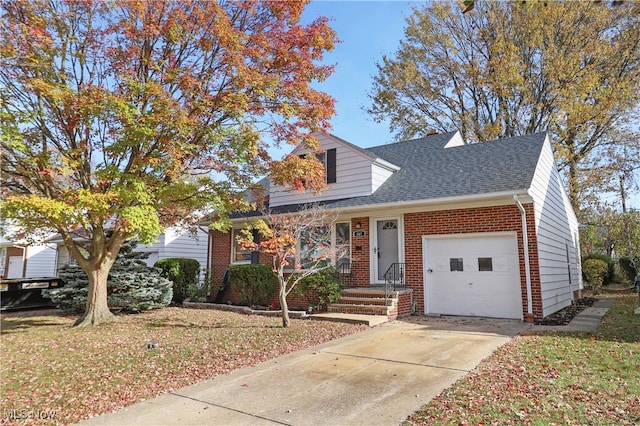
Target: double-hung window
x=238 y=253
x=328 y=159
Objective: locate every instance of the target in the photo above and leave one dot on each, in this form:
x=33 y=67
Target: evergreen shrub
x=628 y=269
x=255 y=284
x=608 y=277
x=595 y=270
x=132 y=286
x=324 y=285
x=185 y=274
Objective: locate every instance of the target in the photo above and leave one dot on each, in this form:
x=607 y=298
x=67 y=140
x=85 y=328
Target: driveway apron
x=376 y=377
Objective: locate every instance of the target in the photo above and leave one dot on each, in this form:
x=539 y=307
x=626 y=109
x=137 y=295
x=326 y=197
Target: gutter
x=527 y=265
x=411 y=204
x=432 y=201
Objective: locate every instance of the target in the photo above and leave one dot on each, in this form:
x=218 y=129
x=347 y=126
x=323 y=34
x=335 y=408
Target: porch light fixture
x=358 y=225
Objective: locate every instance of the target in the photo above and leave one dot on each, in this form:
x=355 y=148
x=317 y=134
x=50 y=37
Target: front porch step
x=350 y=300
x=345 y=308
x=365 y=301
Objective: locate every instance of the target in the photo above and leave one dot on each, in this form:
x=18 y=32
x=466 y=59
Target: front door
x=386 y=248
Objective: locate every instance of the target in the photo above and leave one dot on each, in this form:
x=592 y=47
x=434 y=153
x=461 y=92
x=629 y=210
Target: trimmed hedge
x=184 y=273
x=610 y=273
x=254 y=284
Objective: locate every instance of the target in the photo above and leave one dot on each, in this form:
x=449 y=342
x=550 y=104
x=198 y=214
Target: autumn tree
x=297 y=244
x=132 y=116
x=609 y=231
x=511 y=68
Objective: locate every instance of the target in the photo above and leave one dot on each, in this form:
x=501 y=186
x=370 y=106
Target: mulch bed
x=564 y=316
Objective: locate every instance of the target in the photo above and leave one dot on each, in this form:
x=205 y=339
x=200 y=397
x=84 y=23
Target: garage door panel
x=473 y=276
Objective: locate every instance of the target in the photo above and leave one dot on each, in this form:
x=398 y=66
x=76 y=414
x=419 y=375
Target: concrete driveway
x=377 y=377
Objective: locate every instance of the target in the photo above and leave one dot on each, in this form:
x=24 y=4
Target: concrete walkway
x=376 y=377
x=586 y=321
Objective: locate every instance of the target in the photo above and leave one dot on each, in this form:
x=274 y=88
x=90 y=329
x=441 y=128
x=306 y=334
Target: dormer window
x=328 y=159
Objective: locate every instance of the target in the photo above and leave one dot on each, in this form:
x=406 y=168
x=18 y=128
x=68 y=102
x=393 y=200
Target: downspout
x=527 y=265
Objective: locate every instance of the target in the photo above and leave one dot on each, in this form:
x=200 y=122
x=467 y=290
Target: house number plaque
x=359 y=233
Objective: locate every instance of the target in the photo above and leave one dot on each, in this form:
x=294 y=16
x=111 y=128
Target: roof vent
x=432 y=132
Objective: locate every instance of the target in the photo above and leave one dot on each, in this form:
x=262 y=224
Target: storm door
x=386 y=246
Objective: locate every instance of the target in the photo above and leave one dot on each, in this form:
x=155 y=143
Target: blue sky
x=367 y=30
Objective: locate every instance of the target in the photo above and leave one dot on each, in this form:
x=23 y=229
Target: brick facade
x=473 y=220
x=416 y=225
x=360 y=250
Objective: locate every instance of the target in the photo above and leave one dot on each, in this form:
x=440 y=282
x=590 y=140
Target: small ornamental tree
x=299 y=245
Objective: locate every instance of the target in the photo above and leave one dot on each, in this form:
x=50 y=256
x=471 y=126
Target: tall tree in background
x=114 y=115
x=510 y=68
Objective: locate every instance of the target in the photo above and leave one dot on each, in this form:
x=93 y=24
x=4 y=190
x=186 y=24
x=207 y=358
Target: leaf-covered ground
x=552 y=378
x=54 y=374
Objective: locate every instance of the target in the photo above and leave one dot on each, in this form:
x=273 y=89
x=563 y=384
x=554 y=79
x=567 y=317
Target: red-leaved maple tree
x=298 y=245
x=121 y=118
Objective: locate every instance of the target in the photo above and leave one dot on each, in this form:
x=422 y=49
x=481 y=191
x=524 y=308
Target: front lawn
x=54 y=374
x=552 y=378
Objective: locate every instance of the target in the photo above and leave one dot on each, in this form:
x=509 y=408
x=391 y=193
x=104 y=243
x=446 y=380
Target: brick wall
x=475 y=220
x=220 y=259
x=220 y=254
x=360 y=252
x=405 y=300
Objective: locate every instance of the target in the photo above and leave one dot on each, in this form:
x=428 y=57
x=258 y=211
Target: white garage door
x=472 y=275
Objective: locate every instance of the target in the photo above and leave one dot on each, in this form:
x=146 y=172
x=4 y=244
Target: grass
x=552 y=378
x=54 y=374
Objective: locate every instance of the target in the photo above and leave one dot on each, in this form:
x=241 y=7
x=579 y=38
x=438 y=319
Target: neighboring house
x=27 y=261
x=43 y=260
x=178 y=242
x=481 y=229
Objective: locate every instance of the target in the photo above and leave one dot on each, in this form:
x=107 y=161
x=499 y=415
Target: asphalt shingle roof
x=430 y=171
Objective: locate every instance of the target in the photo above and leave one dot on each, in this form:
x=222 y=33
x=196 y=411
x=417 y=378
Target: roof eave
x=502 y=195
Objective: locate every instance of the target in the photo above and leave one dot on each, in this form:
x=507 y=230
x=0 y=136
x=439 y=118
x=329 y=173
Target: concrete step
x=369 y=320
x=358 y=309
x=349 y=300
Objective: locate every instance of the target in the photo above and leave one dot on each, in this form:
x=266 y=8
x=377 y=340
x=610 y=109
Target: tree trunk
x=283 y=302
x=97 y=310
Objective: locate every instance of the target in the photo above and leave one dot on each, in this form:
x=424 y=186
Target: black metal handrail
x=394 y=278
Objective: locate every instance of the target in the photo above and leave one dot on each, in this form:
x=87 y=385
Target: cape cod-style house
x=481 y=229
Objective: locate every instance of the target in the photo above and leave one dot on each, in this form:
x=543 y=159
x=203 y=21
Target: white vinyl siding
x=557 y=231
x=176 y=242
x=356 y=175
x=41 y=261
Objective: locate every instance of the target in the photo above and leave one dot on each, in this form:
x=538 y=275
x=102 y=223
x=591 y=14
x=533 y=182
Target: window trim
x=233 y=249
